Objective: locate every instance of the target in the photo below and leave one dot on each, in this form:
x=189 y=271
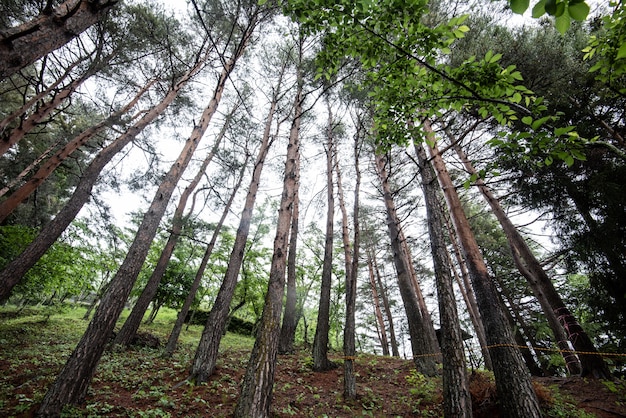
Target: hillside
x=139 y=383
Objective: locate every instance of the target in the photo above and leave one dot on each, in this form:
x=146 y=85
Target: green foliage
x=564 y=11
x=608 y=48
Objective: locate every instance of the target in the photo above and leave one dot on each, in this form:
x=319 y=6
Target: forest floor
x=138 y=382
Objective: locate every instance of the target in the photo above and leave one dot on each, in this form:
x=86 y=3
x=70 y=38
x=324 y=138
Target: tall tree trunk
x=384 y=341
x=206 y=353
x=290 y=315
x=15 y=270
x=11 y=203
x=180 y=319
x=423 y=352
x=562 y=323
x=349 y=348
x=470 y=298
x=457 y=400
x=72 y=383
x=26 y=43
x=383 y=294
x=320 y=342
x=256 y=389
x=128 y=331
x=515 y=390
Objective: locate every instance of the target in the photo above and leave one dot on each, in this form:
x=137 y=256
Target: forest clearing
x=139 y=382
x=405 y=206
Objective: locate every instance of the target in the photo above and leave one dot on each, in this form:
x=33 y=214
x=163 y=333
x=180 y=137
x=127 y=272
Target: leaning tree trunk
x=290 y=315
x=72 y=383
x=559 y=317
x=26 y=43
x=423 y=353
x=206 y=354
x=129 y=330
x=256 y=389
x=349 y=349
x=320 y=342
x=15 y=270
x=11 y=203
x=515 y=390
x=457 y=400
x=180 y=319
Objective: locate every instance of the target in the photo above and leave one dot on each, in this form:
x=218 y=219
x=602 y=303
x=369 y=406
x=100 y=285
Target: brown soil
x=140 y=383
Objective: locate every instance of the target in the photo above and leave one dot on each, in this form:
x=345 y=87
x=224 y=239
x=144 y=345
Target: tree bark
x=320 y=342
x=26 y=43
x=180 y=319
x=457 y=400
x=12 y=202
x=515 y=391
x=383 y=295
x=290 y=317
x=384 y=341
x=72 y=383
x=15 y=270
x=128 y=331
x=423 y=354
x=258 y=382
x=349 y=348
x=206 y=354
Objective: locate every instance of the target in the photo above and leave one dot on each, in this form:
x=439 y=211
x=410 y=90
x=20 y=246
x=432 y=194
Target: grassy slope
x=139 y=383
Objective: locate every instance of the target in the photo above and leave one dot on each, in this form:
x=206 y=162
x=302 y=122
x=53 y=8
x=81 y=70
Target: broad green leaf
x=548 y=160
x=527 y=120
x=539 y=9
x=519 y=6
x=562 y=23
x=569 y=160
x=621 y=53
x=539 y=122
x=550 y=7
x=578 y=11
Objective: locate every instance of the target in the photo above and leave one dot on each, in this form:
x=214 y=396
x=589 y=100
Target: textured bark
x=320 y=342
x=349 y=347
x=382 y=331
x=290 y=315
x=15 y=270
x=180 y=319
x=72 y=383
x=423 y=354
x=456 y=395
x=26 y=43
x=513 y=383
x=206 y=354
x=129 y=330
x=383 y=294
x=12 y=202
x=256 y=390
x=557 y=314
x=470 y=298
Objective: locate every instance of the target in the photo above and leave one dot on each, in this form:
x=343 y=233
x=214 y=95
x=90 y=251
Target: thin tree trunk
x=457 y=400
x=26 y=43
x=128 y=331
x=180 y=319
x=384 y=341
x=515 y=390
x=206 y=354
x=15 y=270
x=383 y=294
x=320 y=342
x=256 y=389
x=290 y=318
x=349 y=348
x=72 y=383
x=423 y=354
x=12 y=202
